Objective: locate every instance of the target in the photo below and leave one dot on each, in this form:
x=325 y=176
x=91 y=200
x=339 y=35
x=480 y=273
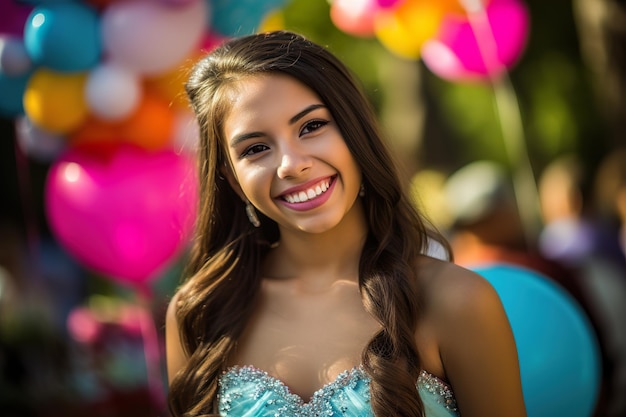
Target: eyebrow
x=304 y=112
x=240 y=138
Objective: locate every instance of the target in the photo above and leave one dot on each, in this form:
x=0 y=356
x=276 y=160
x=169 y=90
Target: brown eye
x=254 y=149
x=312 y=126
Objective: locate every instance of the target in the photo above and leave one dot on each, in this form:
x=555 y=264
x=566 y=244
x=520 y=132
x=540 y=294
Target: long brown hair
x=216 y=301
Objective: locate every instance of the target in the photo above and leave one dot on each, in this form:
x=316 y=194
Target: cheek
x=254 y=181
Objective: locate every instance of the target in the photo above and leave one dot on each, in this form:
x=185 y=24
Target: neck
x=320 y=258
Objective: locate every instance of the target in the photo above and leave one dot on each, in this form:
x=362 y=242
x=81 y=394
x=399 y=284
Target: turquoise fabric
x=250 y=392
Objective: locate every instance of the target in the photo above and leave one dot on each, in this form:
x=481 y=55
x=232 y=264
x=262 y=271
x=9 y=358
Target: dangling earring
x=362 y=191
x=254 y=219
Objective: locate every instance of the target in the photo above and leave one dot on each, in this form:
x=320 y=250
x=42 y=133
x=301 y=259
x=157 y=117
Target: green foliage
x=551 y=83
x=312 y=19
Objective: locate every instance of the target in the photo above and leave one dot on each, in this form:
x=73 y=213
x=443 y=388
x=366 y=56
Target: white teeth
x=302 y=196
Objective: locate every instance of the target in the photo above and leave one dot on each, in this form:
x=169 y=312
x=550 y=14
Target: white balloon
x=14 y=59
x=112 y=92
x=37 y=143
x=153 y=37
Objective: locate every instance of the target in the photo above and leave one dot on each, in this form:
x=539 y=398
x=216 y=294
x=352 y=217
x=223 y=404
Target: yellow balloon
x=55 y=101
x=403 y=30
x=274 y=20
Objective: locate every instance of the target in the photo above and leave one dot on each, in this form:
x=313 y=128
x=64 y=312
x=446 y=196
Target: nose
x=293 y=162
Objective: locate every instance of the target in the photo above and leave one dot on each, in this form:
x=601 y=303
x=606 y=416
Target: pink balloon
x=454 y=54
x=121 y=210
x=212 y=40
x=355 y=17
x=387 y=4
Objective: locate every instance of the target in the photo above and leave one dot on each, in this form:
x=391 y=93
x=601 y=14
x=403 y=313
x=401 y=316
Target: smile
x=310 y=193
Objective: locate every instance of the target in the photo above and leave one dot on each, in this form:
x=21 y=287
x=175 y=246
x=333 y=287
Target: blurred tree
x=602 y=30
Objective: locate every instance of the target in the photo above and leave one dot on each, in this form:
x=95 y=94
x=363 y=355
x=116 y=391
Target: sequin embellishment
x=440 y=389
x=246 y=390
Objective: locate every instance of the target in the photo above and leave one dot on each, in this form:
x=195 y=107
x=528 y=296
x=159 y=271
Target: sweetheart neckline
x=341 y=380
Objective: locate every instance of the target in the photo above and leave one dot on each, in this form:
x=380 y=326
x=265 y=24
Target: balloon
x=240 y=17
x=454 y=54
x=120 y=210
x=63 y=36
x=112 y=92
x=387 y=4
x=186 y=132
x=403 y=30
x=55 y=101
x=37 y=143
x=14 y=15
x=274 y=20
x=177 y=2
x=210 y=41
x=14 y=59
x=12 y=90
x=171 y=85
x=558 y=351
x=151 y=37
x=355 y=17
x=150 y=126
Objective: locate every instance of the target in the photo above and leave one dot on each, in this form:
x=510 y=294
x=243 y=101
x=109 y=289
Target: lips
x=309 y=196
x=309 y=193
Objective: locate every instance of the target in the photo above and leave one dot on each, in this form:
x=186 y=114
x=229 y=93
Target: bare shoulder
x=451 y=289
x=474 y=339
x=457 y=300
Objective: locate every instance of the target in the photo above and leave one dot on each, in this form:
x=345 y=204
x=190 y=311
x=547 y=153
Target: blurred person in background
x=486 y=229
x=485 y=226
x=604 y=267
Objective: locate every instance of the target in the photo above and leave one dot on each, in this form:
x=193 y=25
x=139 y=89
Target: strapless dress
x=245 y=391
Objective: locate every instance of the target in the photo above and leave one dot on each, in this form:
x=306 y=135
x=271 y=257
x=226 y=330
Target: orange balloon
x=54 y=101
x=151 y=126
x=404 y=29
x=171 y=84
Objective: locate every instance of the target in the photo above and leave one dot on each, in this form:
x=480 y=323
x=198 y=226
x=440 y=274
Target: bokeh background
x=96 y=170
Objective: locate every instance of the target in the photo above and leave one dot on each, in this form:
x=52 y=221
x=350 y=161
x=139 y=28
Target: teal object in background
x=240 y=17
x=558 y=351
x=64 y=37
x=11 y=91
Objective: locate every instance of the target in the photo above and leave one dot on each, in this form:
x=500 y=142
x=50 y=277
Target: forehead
x=259 y=97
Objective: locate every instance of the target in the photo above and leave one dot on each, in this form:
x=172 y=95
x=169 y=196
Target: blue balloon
x=240 y=17
x=558 y=351
x=63 y=36
x=11 y=93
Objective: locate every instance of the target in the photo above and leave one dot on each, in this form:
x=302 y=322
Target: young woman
x=309 y=291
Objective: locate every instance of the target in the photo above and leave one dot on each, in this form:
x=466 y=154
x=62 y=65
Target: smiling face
x=287 y=154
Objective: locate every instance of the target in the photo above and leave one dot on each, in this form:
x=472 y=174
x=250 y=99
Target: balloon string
x=151 y=345
x=511 y=126
x=26 y=198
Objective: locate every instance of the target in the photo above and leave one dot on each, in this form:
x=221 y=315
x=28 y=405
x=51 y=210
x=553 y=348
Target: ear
x=228 y=173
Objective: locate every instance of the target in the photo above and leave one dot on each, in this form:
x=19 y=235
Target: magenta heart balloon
x=455 y=53
x=122 y=211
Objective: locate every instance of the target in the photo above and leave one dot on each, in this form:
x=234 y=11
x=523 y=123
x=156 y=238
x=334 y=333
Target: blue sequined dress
x=249 y=392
